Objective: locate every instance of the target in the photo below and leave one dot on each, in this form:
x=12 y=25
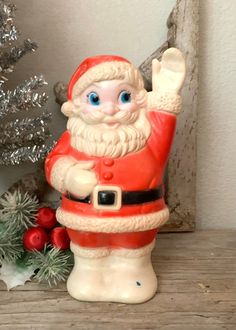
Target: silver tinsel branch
x=24 y=154
x=10 y=57
x=8 y=31
x=18 y=132
x=21 y=140
x=23 y=97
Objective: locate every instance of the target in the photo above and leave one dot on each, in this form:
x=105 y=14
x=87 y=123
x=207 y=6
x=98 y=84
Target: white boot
x=131 y=275
x=118 y=275
x=86 y=279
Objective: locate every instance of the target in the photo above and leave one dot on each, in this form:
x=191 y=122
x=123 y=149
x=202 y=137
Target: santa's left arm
x=164 y=102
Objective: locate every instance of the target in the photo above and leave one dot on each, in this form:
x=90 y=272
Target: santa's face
x=109 y=119
x=108 y=103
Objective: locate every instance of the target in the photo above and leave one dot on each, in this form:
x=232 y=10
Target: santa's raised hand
x=167 y=80
x=168 y=75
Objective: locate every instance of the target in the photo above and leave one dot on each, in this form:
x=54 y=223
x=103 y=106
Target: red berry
x=35 y=238
x=46 y=217
x=59 y=238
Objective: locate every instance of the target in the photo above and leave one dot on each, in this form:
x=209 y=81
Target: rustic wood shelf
x=197 y=290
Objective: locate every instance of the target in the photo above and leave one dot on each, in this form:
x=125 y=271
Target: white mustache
x=98 y=117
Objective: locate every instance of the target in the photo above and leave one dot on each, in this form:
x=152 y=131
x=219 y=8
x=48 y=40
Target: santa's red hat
x=99 y=68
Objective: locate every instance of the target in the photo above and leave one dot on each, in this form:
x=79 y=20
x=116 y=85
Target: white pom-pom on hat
x=67 y=108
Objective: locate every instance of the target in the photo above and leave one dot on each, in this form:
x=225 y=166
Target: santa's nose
x=110 y=109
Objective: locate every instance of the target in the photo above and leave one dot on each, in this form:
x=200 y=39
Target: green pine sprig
x=54 y=265
x=18 y=211
x=11 y=247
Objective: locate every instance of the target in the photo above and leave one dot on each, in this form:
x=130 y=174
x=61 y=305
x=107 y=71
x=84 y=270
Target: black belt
x=107 y=197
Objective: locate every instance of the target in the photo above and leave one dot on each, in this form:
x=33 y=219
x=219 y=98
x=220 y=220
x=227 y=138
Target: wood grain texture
x=197 y=290
x=146 y=67
x=181 y=186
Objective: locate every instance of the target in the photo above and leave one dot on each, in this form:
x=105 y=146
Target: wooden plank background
x=181 y=172
x=181 y=189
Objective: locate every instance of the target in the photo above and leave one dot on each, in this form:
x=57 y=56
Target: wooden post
x=181 y=188
x=181 y=173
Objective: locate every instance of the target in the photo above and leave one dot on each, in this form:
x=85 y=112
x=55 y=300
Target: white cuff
x=117 y=224
x=59 y=171
x=164 y=101
x=92 y=253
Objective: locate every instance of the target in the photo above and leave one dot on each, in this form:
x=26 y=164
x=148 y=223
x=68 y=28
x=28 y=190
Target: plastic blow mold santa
x=109 y=167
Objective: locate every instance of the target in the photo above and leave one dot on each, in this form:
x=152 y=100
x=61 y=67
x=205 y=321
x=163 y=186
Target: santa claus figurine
x=109 y=167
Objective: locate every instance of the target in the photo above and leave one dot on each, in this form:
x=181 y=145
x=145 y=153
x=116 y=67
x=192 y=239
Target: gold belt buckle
x=115 y=198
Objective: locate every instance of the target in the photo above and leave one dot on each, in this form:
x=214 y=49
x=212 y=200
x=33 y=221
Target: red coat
x=138 y=171
x=142 y=170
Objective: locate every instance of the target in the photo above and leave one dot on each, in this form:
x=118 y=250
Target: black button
x=106 y=197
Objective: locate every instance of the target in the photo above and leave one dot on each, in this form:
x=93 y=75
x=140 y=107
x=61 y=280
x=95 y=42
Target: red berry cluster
x=46 y=231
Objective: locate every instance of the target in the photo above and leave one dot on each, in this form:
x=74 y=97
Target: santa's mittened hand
x=168 y=75
x=80 y=179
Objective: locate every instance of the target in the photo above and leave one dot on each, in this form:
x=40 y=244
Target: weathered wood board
x=197 y=290
x=181 y=173
x=181 y=191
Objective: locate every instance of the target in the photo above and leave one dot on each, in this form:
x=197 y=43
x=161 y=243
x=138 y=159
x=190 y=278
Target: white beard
x=88 y=136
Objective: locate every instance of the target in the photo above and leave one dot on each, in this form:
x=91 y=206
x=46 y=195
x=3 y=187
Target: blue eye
x=125 y=97
x=93 y=98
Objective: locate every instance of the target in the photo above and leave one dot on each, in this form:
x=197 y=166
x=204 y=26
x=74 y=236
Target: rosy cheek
x=128 y=107
x=85 y=107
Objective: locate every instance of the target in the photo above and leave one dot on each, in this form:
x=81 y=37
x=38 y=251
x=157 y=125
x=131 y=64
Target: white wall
x=68 y=31
x=216 y=168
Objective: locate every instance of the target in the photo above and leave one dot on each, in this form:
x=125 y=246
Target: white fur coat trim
x=104 y=252
x=164 y=101
x=133 y=223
